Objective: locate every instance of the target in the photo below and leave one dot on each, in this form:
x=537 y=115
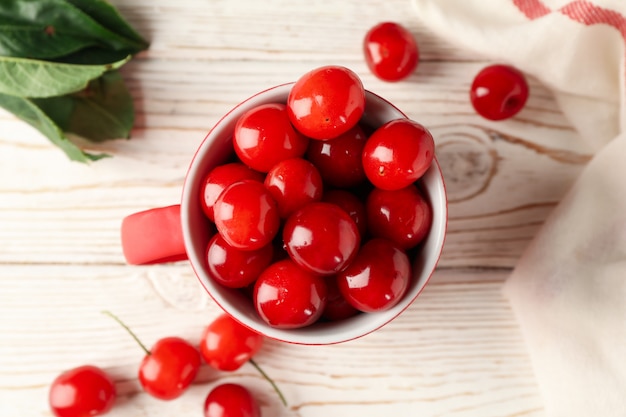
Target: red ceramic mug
x=182 y=231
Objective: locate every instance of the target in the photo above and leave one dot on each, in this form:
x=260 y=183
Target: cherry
x=498 y=92
x=293 y=183
x=246 y=215
x=351 y=204
x=221 y=177
x=226 y=344
x=402 y=216
x=236 y=268
x=337 y=307
x=397 y=154
x=391 y=52
x=264 y=136
x=326 y=102
x=231 y=400
x=321 y=238
x=339 y=159
x=167 y=369
x=287 y=296
x=378 y=278
x=82 y=392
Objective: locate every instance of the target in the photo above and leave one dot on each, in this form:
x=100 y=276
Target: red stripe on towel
x=581 y=11
x=533 y=9
x=589 y=14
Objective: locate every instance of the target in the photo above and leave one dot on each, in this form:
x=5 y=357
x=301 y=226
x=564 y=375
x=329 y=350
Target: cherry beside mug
x=182 y=231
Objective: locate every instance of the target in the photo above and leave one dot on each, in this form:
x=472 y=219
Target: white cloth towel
x=568 y=290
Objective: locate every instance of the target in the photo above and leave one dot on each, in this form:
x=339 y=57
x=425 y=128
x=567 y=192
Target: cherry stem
x=130 y=332
x=270 y=380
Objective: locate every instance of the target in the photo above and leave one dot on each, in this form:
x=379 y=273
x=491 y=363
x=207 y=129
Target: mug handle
x=153 y=236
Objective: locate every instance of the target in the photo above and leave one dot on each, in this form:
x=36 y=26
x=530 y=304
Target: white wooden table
x=456 y=352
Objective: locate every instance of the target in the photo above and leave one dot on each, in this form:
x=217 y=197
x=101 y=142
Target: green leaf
x=33 y=115
x=110 y=18
x=92 y=56
x=51 y=29
x=103 y=111
x=35 y=78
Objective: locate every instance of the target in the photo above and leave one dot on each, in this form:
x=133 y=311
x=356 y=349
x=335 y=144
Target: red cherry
x=499 y=92
x=288 y=297
x=293 y=183
x=339 y=159
x=236 y=268
x=402 y=216
x=378 y=278
x=351 y=204
x=246 y=215
x=337 y=307
x=391 y=52
x=231 y=400
x=397 y=154
x=221 y=177
x=321 y=238
x=82 y=392
x=264 y=136
x=169 y=368
x=326 y=102
x=226 y=344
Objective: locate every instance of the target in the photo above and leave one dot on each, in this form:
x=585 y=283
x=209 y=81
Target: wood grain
x=457 y=351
